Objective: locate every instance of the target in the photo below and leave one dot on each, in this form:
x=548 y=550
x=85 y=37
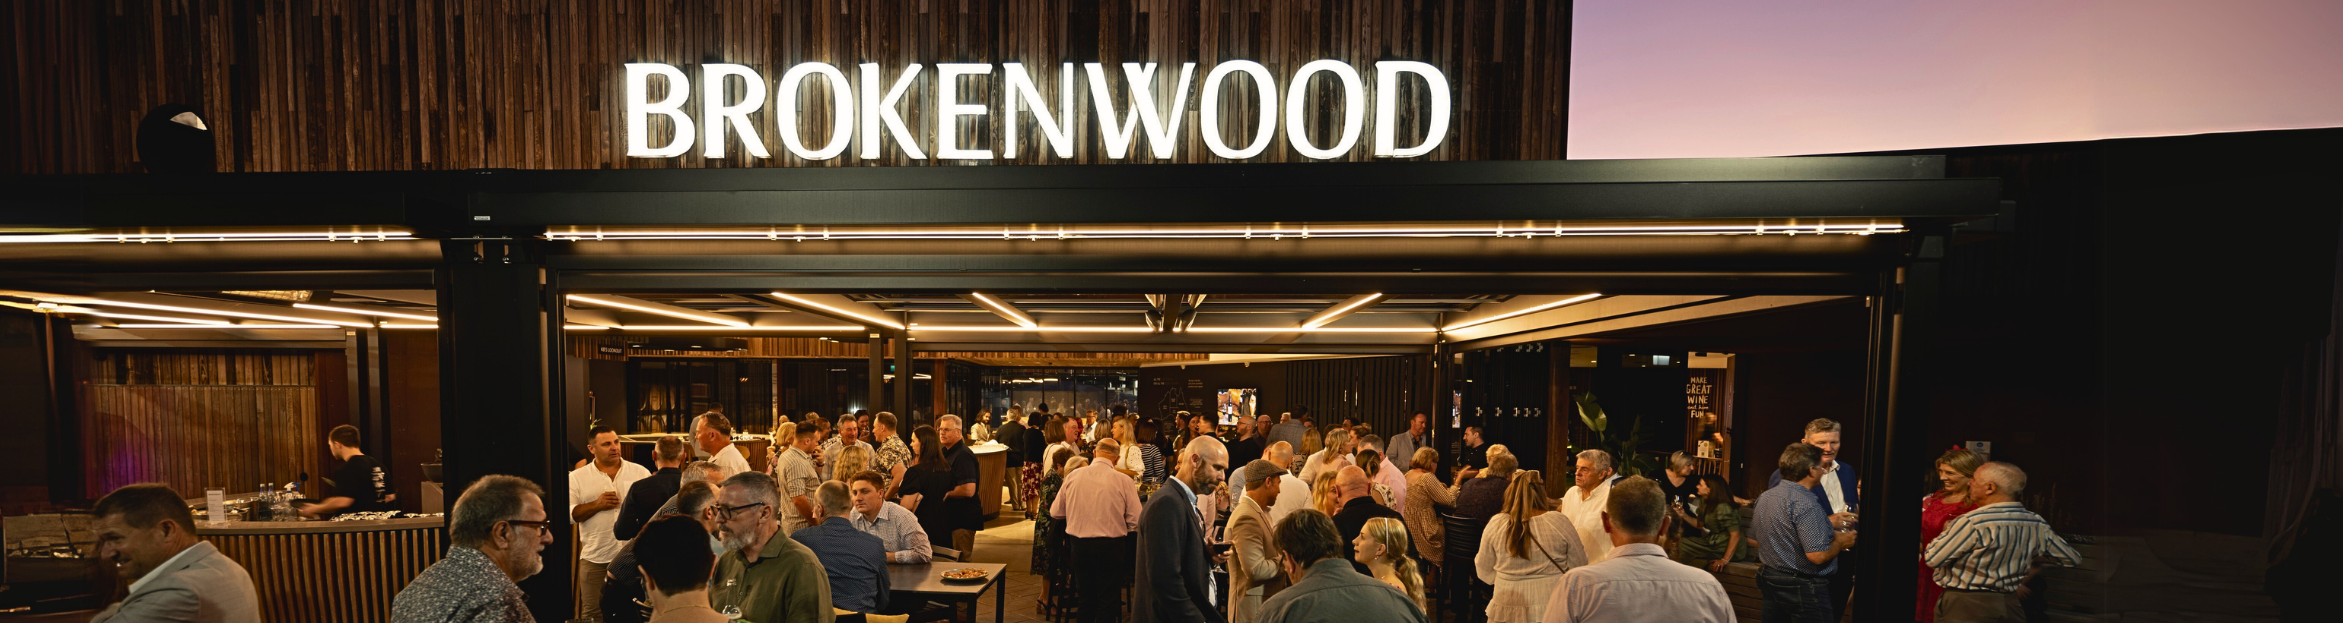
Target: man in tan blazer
x=148 y=533
x=1252 y=570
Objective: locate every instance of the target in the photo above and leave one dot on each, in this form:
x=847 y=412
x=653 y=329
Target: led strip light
x=169 y=237
x=1246 y=232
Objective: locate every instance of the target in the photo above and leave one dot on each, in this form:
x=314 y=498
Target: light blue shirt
x=899 y=530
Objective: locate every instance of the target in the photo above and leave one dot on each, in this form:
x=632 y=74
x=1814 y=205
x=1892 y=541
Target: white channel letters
x=730 y=93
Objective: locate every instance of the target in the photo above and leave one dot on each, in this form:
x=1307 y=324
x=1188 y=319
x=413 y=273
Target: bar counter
x=329 y=571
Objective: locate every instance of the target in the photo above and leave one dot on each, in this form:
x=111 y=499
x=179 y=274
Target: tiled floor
x=1009 y=540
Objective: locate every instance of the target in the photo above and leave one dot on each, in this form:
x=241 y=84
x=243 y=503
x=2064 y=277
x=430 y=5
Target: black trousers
x=1102 y=569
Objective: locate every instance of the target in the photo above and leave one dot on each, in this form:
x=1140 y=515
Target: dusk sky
x=1715 y=78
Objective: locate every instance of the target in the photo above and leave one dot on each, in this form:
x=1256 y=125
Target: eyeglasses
x=539 y=525
x=727 y=511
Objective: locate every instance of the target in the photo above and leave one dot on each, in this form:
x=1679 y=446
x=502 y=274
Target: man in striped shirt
x=1985 y=557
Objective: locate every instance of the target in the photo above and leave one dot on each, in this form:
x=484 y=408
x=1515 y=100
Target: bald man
x=1356 y=493
x=1174 y=583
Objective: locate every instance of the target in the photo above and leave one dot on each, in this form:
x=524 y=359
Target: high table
x=927 y=582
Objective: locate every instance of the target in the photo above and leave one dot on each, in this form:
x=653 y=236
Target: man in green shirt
x=770 y=577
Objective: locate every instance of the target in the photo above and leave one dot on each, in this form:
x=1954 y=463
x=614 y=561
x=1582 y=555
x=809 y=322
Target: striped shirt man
x=1992 y=548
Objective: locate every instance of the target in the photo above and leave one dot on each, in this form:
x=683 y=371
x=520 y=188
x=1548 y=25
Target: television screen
x=1236 y=403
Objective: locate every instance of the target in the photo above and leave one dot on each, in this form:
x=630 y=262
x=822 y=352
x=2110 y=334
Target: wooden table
x=927 y=582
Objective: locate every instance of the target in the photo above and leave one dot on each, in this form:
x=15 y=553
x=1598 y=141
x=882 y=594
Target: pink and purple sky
x=1719 y=78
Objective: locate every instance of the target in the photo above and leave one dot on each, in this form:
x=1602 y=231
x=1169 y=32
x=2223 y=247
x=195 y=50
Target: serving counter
x=329 y=571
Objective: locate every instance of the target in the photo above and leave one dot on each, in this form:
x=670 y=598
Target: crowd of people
x=1308 y=525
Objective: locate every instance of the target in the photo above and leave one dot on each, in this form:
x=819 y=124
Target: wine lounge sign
x=864 y=114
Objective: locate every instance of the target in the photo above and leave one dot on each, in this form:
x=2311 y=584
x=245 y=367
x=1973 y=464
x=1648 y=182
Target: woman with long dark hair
x=1719 y=543
x=928 y=480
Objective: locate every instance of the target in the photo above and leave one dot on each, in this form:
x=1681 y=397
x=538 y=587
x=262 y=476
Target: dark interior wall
x=1777 y=393
x=606 y=380
x=413 y=381
x=2143 y=307
x=24 y=379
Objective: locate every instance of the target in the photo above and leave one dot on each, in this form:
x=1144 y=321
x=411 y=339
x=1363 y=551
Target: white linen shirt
x=1639 y=585
x=730 y=459
x=1292 y=495
x=596 y=544
x=1588 y=515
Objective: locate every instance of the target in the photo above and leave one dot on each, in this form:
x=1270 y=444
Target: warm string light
x=1036 y=233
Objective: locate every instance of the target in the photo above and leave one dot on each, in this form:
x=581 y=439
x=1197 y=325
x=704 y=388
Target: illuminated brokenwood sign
x=867 y=111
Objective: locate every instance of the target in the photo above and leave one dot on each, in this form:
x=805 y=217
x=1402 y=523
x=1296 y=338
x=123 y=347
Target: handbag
x=1533 y=540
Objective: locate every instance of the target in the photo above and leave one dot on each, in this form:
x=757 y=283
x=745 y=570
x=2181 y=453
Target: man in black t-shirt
x=961 y=502
x=362 y=485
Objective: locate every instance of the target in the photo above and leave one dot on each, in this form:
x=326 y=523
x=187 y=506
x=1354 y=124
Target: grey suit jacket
x=202 y=586
x=1173 y=566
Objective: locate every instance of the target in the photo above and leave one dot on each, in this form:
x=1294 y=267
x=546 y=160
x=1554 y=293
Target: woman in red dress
x=1938 y=509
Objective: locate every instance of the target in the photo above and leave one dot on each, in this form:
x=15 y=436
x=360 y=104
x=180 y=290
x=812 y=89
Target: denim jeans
x=1794 y=599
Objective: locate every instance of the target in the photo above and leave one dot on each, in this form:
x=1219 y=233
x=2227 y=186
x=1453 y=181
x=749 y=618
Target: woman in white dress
x=1524 y=551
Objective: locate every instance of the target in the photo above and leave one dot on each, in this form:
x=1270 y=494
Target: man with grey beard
x=772 y=578
x=499 y=536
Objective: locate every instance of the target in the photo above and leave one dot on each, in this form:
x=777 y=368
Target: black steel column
x=905 y=369
x=876 y=398
x=495 y=400
x=1904 y=323
x=369 y=403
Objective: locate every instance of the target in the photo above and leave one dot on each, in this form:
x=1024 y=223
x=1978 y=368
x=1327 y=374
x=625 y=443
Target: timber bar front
x=330 y=570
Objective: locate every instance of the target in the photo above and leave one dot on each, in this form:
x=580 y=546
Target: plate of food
x=970 y=575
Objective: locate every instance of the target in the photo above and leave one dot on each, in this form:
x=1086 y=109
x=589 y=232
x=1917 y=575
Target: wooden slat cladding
x=344 y=85
x=202 y=367
x=199 y=419
x=341 y=577
x=1380 y=391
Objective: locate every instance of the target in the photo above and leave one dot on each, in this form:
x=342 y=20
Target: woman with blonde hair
x=1425 y=496
x=1333 y=456
x=1939 y=508
x=1525 y=550
x=851 y=460
x=1382 y=547
x=1312 y=441
x=1323 y=495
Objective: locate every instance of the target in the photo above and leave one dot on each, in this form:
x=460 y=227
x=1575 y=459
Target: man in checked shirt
x=1986 y=557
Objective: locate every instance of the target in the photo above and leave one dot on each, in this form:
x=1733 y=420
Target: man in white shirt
x=1638 y=584
x=1292 y=493
x=1583 y=504
x=713 y=433
x=596 y=490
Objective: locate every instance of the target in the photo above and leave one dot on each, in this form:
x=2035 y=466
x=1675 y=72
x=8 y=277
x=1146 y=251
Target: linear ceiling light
x=1523 y=312
x=1035 y=329
x=1343 y=309
x=222 y=312
x=68 y=309
x=1312 y=330
x=662 y=309
x=1032 y=233
x=273 y=236
x=365 y=311
x=689 y=327
x=799 y=300
x=1005 y=310
x=226 y=326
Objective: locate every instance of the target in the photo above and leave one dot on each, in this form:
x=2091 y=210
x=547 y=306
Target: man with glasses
x=499 y=534
x=767 y=576
x=596 y=492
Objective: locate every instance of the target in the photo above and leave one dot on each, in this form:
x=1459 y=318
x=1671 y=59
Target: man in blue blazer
x=1174 y=567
